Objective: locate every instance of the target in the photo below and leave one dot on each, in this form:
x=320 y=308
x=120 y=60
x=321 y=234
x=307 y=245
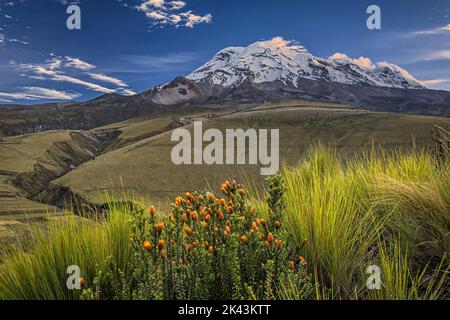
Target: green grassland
x=131 y=159
x=21 y=157
x=140 y=165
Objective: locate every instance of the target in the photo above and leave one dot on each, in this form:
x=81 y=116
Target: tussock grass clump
x=37 y=268
x=343 y=209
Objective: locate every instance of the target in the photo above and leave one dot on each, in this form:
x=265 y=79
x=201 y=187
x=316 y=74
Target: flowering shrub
x=210 y=247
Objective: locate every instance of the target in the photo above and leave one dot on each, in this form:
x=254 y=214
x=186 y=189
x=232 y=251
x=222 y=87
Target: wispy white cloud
x=128 y=92
x=438 y=55
x=433 y=31
x=103 y=77
x=79 y=64
x=52 y=71
x=438 y=84
x=163 y=12
x=38 y=93
x=434 y=82
x=70 y=70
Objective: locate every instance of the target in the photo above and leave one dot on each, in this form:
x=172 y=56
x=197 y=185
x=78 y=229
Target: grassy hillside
x=27 y=164
x=139 y=163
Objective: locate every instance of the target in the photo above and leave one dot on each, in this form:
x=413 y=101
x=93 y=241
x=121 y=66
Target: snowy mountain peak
x=289 y=62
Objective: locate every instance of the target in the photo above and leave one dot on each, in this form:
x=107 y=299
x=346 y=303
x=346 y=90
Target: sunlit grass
x=37 y=268
x=343 y=208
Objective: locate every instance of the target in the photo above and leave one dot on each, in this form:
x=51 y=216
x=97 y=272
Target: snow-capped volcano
x=288 y=62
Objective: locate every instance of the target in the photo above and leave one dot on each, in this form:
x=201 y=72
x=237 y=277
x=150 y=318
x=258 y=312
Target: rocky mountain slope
x=278 y=69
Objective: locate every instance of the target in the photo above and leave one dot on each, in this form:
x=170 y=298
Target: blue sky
x=127 y=46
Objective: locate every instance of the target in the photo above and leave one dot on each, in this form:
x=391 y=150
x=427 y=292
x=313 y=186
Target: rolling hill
x=139 y=164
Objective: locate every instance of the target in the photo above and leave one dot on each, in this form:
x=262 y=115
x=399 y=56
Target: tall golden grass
x=390 y=210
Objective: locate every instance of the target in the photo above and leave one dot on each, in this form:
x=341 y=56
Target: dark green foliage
x=210 y=248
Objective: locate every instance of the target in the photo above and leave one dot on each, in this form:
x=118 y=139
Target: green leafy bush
x=210 y=248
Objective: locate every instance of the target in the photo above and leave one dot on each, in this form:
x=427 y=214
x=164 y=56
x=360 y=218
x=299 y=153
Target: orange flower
x=220 y=215
x=226 y=234
x=228 y=224
x=277 y=224
x=230 y=203
x=210 y=249
x=161 y=244
x=207 y=218
x=230 y=209
x=194 y=216
x=244 y=239
x=217 y=202
x=227 y=184
x=222 y=202
x=234 y=183
x=255 y=227
x=82 y=281
x=148 y=246
x=188 y=212
x=187 y=196
x=163 y=253
x=160 y=227
x=201 y=198
x=241 y=192
x=228 y=229
x=262 y=221
x=178 y=201
x=184 y=217
x=152 y=210
x=223 y=190
x=188 y=231
x=211 y=197
x=252 y=211
x=266 y=244
x=270 y=237
x=279 y=244
x=206 y=244
x=292 y=265
x=195 y=244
